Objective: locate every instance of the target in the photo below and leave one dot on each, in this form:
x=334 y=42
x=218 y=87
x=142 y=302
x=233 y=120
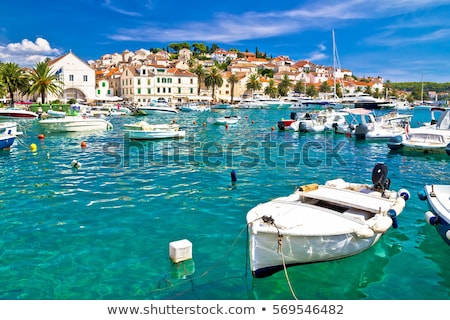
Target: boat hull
x=8 y=132
x=227 y=120
x=6 y=141
x=298 y=250
x=405 y=143
x=155 y=134
x=74 y=124
x=439 y=205
x=17 y=114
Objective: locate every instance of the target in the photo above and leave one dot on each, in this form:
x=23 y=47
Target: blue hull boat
x=8 y=132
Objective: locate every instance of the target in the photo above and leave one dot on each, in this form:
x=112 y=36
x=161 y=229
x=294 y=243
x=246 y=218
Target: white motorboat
x=322 y=222
x=227 y=120
x=433 y=138
x=75 y=124
x=438 y=198
x=366 y=126
x=8 y=133
x=145 y=131
x=326 y=120
x=366 y=101
x=109 y=109
x=194 y=106
x=54 y=114
x=17 y=113
x=160 y=106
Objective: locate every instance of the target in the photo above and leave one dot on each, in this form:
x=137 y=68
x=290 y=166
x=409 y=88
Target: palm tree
x=201 y=73
x=44 y=80
x=232 y=80
x=253 y=83
x=13 y=78
x=271 y=90
x=284 y=86
x=213 y=79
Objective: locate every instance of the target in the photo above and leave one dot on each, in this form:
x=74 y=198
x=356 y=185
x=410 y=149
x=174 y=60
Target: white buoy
x=75 y=164
x=180 y=250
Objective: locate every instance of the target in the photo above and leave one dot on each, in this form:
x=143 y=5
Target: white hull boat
x=228 y=120
x=159 y=106
x=322 y=223
x=318 y=122
x=438 y=197
x=433 y=138
x=17 y=113
x=366 y=126
x=75 y=124
x=55 y=114
x=196 y=107
x=145 y=131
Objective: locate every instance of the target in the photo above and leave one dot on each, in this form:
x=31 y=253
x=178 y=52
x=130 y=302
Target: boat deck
x=363 y=200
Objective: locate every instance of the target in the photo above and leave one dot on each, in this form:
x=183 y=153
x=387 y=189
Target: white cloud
x=26 y=53
x=108 y=4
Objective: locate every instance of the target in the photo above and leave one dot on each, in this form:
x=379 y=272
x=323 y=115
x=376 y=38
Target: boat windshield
x=444 y=121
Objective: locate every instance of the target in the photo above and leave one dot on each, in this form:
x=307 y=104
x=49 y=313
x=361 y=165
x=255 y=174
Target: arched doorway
x=74 y=93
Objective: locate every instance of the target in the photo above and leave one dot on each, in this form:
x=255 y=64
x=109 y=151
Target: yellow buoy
x=33 y=147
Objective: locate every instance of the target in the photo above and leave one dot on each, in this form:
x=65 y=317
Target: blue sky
x=401 y=40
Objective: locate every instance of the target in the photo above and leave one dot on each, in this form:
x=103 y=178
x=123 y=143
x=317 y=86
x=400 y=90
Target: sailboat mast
x=334 y=66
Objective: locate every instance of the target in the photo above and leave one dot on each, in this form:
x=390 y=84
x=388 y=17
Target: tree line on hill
x=421 y=90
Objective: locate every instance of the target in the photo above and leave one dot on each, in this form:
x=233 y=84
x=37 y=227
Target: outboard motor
x=293 y=115
x=302 y=127
x=379 y=177
x=361 y=131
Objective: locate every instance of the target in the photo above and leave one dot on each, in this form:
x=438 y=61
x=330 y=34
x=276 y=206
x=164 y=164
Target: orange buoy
x=273 y=128
x=41 y=136
x=204 y=124
x=195 y=122
x=83 y=144
x=253 y=121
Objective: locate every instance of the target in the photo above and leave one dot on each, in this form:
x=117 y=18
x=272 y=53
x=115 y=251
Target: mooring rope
x=280 y=250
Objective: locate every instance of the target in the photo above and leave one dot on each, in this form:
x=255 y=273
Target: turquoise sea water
x=103 y=231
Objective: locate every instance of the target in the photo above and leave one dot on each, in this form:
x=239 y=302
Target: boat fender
x=75 y=164
x=431 y=219
x=393 y=215
x=404 y=194
x=382 y=225
x=309 y=187
x=447 y=234
x=364 y=233
x=422 y=195
x=447 y=149
x=338 y=183
x=397 y=207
